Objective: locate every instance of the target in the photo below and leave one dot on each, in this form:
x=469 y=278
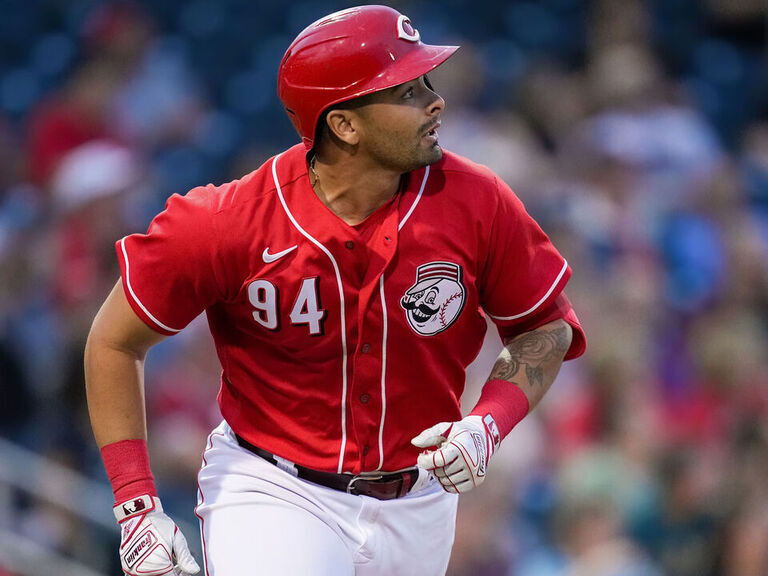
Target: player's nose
x=437 y=105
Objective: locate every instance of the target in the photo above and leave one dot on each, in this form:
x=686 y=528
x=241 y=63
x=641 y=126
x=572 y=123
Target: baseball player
x=346 y=284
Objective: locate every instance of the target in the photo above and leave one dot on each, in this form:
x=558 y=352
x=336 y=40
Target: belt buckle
x=364 y=476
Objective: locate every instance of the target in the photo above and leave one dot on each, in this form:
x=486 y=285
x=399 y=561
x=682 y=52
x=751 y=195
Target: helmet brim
x=412 y=65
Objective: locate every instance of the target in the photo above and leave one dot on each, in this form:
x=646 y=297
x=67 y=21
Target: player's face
x=399 y=126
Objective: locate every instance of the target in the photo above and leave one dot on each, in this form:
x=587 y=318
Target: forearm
x=118 y=342
x=115 y=391
x=523 y=373
x=114 y=371
x=531 y=361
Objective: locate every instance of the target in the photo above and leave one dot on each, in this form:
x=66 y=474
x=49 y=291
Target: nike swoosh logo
x=267 y=257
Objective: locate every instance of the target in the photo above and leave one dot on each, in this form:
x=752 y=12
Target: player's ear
x=343 y=125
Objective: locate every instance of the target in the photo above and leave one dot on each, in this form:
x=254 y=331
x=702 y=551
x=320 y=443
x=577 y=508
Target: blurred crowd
x=636 y=133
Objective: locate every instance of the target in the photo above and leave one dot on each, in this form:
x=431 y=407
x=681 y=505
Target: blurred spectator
x=686 y=540
x=10 y=157
x=158 y=101
x=87 y=191
x=118 y=31
x=16 y=407
x=595 y=543
x=76 y=114
x=500 y=140
x=746 y=530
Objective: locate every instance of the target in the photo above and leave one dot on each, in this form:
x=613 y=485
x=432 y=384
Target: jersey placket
x=369 y=378
x=360 y=275
x=367 y=389
x=360 y=265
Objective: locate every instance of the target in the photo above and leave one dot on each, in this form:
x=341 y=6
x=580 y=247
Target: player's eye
x=408 y=93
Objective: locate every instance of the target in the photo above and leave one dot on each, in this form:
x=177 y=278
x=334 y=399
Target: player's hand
x=463 y=451
x=151 y=544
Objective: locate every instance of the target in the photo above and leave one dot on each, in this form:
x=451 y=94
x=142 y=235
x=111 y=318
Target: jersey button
x=349 y=244
x=364 y=398
x=365 y=348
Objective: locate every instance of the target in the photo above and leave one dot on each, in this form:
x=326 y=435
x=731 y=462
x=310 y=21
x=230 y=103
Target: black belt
x=385 y=486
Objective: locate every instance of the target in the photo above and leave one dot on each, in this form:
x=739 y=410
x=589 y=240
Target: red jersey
x=340 y=343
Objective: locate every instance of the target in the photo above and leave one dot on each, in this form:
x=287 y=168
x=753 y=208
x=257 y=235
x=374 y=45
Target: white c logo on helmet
x=406 y=31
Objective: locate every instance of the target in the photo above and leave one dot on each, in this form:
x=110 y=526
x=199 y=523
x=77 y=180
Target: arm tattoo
x=534 y=350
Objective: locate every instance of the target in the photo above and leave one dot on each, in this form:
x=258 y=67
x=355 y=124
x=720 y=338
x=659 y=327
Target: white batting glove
x=151 y=544
x=463 y=451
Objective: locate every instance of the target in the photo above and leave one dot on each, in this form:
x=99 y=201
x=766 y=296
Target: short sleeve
x=167 y=273
x=523 y=272
x=559 y=309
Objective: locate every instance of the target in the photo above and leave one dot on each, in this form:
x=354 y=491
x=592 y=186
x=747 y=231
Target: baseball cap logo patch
x=406 y=31
x=436 y=299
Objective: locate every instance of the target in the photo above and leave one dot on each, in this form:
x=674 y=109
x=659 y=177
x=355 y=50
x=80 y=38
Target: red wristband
x=127 y=465
x=505 y=402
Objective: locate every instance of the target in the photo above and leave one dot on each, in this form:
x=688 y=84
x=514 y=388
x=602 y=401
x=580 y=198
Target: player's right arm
x=117 y=345
x=114 y=370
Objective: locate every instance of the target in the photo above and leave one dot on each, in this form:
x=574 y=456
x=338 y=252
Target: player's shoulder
x=252 y=187
x=472 y=185
x=455 y=175
x=455 y=166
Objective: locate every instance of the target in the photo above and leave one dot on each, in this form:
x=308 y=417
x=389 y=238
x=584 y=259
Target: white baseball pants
x=257 y=519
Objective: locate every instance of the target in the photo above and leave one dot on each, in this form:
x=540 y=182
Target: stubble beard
x=422 y=157
x=435 y=153
x=407 y=160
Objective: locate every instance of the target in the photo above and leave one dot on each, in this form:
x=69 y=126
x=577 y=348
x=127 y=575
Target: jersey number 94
x=264 y=296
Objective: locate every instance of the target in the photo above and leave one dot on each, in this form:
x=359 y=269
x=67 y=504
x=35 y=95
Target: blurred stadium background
x=635 y=132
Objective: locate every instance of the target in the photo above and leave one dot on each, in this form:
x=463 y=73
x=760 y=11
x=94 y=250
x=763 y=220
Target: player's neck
x=351 y=191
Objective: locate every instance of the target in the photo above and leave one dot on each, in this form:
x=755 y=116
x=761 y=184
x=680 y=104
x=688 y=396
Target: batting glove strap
x=136 y=506
x=150 y=542
x=463 y=451
x=492 y=436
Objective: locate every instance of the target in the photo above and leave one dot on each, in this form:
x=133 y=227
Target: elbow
x=106 y=343
x=562 y=332
x=568 y=335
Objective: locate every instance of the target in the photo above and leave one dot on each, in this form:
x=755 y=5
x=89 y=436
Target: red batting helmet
x=348 y=54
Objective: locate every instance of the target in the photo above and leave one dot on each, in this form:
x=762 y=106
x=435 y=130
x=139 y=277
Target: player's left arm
x=531 y=361
x=522 y=374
